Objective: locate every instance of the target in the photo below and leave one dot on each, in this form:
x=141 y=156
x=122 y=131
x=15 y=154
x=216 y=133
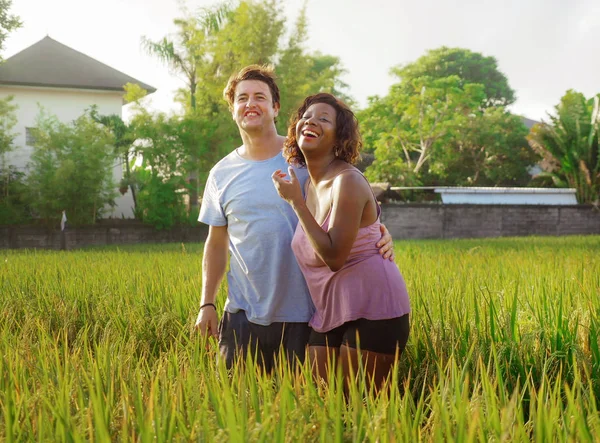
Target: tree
x=255 y=33
x=418 y=121
x=569 y=145
x=14 y=197
x=123 y=137
x=389 y=166
x=8 y=22
x=162 y=146
x=13 y=193
x=188 y=51
x=468 y=66
x=301 y=74
x=251 y=36
x=251 y=33
x=71 y=170
x=8 y=120
x=489 y=149
x=445 y=122
x=187 y=54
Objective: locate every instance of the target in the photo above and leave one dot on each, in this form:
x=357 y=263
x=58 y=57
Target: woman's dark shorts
x=382 y=336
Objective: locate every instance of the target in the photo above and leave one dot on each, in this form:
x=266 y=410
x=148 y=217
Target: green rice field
x=98 y=345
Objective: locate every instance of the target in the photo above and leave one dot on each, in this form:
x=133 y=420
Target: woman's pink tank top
x=367 y=286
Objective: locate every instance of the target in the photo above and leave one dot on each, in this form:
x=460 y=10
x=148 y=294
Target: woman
x=362 y=305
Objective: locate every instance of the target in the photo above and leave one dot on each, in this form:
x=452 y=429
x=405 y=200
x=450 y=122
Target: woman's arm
x=350 y=194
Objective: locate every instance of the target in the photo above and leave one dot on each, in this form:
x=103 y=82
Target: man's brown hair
x=263 y=73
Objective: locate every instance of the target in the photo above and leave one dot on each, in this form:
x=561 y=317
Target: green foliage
x=159 y=202
x=8 y=120
x=213 y=44
x=14 y=197
x=8 y=22
x=569 y=145
x=123 y=138
x=442 y=123
x=301 y=73
x=13 y=193
x=164 y=144
x=488 y=149
x=134 y=93
x=250 y=35
x=389 y=167
x=414 y=125
x=468 y=66
x=173 y=149
x=71 y=170
x=256 y=33
x=189 y=54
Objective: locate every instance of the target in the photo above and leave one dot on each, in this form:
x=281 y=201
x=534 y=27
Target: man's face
x=253 y=107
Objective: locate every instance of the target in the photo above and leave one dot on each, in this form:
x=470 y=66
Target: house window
x=30 y=136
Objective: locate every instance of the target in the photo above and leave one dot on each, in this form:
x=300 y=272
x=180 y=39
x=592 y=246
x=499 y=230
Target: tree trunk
x=131 y=185
x=194 y=173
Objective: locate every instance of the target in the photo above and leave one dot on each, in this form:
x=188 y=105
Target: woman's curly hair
x=348 y=141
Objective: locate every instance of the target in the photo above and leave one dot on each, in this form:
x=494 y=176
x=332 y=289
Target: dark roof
x=52 y=64
x=528 y=122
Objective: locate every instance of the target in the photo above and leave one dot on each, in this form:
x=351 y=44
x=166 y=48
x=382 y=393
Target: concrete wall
x=13 y=237
x=473 y=221
x=405 y=221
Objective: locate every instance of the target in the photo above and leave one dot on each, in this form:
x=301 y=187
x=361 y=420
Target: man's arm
x=386 y=243
x=214 y=263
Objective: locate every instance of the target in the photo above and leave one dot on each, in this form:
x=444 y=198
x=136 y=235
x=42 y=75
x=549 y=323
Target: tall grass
x=98 y=345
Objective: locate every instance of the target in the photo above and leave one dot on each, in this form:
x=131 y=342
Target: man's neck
x=261 y=145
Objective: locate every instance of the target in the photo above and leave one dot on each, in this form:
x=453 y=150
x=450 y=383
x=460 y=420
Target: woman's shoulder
x=350 y=177
x=349 y=173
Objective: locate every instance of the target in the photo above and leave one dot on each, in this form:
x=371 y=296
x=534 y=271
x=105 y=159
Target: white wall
x=67 y=105
x=506 y=196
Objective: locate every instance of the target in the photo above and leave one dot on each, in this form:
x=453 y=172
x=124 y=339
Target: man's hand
x=386 y=244
x=214 y=262
x=207 y=323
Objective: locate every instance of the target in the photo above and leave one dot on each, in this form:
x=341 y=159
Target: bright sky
x=543 y=46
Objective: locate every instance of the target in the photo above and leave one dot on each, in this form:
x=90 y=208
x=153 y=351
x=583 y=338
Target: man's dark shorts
x=238 y=336
x=382 y=336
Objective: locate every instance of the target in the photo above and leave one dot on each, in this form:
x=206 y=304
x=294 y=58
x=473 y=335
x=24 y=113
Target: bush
x=71 y=170
x=14 y=202
x=159 y=203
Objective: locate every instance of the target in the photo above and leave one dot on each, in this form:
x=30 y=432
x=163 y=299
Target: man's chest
x=250 y=198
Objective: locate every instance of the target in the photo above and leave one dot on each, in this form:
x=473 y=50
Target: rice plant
x=98 y=345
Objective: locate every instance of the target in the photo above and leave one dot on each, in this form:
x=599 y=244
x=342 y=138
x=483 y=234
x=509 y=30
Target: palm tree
x=188 y=52
x=569 y=145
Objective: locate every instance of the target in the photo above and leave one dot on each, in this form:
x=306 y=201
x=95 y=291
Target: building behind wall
x=64 y=82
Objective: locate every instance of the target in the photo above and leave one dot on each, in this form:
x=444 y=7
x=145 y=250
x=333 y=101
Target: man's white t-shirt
x=264 y=278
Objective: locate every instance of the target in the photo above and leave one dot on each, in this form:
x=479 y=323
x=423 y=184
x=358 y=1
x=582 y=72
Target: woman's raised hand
x=289 y=190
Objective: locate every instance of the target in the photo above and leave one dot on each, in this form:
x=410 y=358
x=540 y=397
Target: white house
x=64 y=82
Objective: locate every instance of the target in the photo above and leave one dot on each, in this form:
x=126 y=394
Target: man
x=268 y=304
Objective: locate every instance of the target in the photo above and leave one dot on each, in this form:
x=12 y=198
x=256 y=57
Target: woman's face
x=316 y=129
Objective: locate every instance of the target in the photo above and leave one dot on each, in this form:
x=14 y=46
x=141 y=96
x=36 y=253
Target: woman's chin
x=305 y=146
x=313 y=145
